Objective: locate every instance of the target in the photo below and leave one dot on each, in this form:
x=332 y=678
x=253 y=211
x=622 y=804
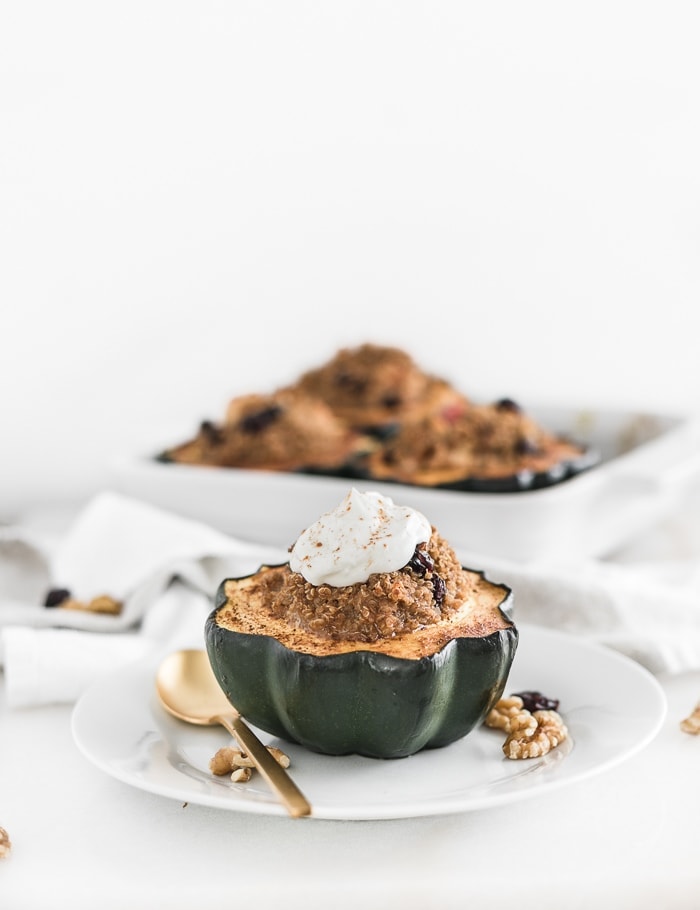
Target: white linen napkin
x=54 y=665
x=644 y=601
x=163 y=568
x=648 y=611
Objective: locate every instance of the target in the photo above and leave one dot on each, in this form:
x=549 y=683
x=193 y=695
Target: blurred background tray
x=648 y=462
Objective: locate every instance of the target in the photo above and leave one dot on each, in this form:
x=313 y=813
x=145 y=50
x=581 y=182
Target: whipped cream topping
x=366 y=533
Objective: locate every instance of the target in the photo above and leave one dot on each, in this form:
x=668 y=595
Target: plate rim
x=437 y=806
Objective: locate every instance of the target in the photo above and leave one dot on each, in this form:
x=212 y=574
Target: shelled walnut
x=691 y=724
x=549 y=731
x=533 y=730
x=103 y=603
x=239 y=765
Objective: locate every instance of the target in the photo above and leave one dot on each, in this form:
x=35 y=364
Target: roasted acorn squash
x=385 y=699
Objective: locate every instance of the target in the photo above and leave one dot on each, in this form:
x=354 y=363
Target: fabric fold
x=648 y=612
x=165 y=569
x=126 y=549
x=162 y=568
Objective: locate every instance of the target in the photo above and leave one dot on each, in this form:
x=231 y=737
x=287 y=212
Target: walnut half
x=550 y=730
x=531 y=734
x=510 y=715
x=101 y=604
x=239 y=765
x=691 y=724
x=5 y=844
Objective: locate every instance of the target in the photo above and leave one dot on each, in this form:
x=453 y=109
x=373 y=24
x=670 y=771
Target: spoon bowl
x=188 y=689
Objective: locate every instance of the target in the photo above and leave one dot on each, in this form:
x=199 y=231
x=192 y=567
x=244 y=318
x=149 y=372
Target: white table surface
x=625 y=838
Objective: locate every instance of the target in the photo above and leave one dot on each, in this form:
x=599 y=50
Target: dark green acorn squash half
x=386 y=699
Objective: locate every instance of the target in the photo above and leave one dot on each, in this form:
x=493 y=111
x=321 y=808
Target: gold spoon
x=188 y=689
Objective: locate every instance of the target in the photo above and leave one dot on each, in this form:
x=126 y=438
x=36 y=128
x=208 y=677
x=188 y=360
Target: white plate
x=612 y=707
x=648 y=462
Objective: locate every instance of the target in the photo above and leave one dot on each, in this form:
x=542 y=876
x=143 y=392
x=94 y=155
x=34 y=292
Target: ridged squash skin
x=362 y=701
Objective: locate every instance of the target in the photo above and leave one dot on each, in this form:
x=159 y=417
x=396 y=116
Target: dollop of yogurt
x=366 y=533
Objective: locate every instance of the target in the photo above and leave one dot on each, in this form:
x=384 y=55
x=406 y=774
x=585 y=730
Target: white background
x=202 y=199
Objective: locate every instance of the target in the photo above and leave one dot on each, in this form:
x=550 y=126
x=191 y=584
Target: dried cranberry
x=507 y=404
x=260 y=420
x=56 y=596
x=392 y=402
x=439 y=589
x=525 y=446
x=421 y=562
x=211 y=432
x=536 y=701
x=452 y=412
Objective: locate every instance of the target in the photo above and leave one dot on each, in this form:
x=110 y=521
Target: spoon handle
x=294 y=800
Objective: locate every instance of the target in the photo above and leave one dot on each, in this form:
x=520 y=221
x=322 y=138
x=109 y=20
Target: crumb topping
x=408 y=612
x=279 y=431
x=368 y=376
x=371 y=412
x=481 y=441
x=386 y=605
